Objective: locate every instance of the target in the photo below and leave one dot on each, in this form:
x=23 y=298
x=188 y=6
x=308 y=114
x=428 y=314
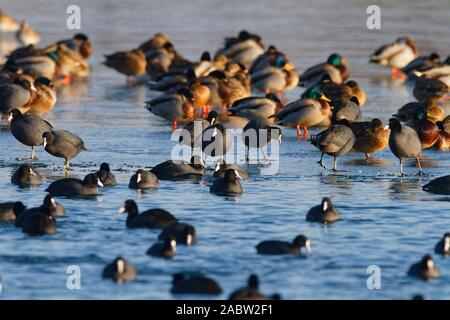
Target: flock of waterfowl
x=215 y=93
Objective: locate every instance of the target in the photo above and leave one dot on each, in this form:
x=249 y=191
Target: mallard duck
x=427 y=130
x=206 y=65
x=41 y=65
x=79 y=43
x=421 y=64
x=357 y=92
x=176 y=107
x=339 y=93
x=336 y=68
x=169 y=81
x=304 y=113
x=245 y=48
x=8 y=23
x=280 y=77
x=159 y=60
x=18 y=94
x=349 y=110
x=202 y=95
x=443 y=142
x=438 y=72
x=45 y=97
x=335 y=92
x=219 y=88
x=256 y=107
x=27 y=35
x=130 y=63
x=335 y=141
x=268 y=59
x=232 y=68
x=239 y=86
x=396 y=54
x=429 y=89
x=406 y=113
x=371 y=136
x=157 y=41
x=70 y=64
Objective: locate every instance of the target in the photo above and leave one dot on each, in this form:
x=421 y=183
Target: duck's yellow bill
x=323 y=97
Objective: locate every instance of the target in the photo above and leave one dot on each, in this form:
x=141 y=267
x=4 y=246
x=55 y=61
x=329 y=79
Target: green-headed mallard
x=244 y=48
x=336 y=68
x=129 y=63
x=176 y=107
x=280 y=77
x=406 y=113
x=396 y=54
x=40 y=65
x=340 y=92
x=267 y=59
x=371 y=136
x=305 y=112
x=256 y=107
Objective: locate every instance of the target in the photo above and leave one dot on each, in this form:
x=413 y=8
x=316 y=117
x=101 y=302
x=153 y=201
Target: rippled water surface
x=386 y=221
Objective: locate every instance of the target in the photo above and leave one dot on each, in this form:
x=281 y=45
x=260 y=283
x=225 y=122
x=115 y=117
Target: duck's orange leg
x=421 y=156
x=66 y=80
x=174 y=125
x=299 y=131
x=306 y=133
x=396 y=73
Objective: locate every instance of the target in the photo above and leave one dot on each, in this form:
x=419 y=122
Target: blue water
x=386 y=220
